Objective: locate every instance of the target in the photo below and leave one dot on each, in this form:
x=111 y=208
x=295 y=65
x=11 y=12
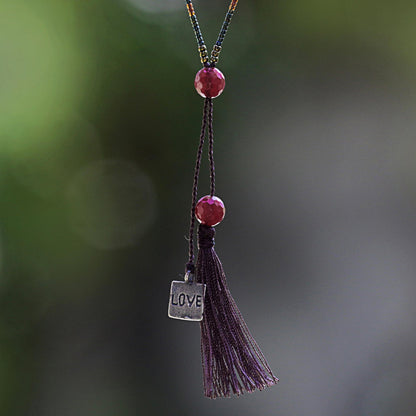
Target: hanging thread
x=190 y=266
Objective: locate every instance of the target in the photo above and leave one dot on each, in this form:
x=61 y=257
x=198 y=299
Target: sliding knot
x=206 y=236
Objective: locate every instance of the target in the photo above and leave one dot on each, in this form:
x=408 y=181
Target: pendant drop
x=186 y=300
x=232 y=361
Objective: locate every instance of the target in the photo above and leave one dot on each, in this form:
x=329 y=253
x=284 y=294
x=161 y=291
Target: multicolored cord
x=202 y=49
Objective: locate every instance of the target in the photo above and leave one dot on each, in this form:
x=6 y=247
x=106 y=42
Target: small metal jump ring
x=189 y=277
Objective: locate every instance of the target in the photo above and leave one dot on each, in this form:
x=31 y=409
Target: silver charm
x=186 y=300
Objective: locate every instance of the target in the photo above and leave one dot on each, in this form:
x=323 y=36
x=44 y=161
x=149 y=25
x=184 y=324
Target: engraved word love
x=186 y=300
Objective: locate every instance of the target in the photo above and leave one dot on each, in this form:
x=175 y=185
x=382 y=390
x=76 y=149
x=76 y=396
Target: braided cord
x=206 y=118
x=211 y=147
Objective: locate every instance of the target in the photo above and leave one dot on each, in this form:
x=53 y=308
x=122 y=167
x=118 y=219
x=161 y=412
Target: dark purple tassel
x=232 y=361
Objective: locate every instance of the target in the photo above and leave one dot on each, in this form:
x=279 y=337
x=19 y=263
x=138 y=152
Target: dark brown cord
x=190 y=267
x=211 y=147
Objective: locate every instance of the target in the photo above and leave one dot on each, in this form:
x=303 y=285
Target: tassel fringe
x=231 y=359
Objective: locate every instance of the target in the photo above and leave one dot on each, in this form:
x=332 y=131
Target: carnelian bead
x=209 y=82
x=210 y=210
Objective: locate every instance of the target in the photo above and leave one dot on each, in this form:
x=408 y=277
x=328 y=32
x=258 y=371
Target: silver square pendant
x=186 y=301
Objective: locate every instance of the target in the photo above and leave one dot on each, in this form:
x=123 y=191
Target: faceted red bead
x=209 y=82
x=210 y=210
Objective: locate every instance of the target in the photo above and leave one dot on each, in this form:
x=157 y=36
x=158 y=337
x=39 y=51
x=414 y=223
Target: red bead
x=210 y=210
x=209 y=82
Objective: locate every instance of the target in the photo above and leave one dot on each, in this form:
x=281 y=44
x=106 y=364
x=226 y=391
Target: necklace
x=231 y=359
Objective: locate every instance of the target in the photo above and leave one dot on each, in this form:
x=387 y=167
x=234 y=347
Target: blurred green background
x=315 y=155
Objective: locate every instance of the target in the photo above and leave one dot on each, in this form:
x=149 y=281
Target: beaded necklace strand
x=209 y=83
x=231 y=359
x=203 y=52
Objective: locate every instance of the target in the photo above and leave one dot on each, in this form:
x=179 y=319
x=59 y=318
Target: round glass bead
x=209 y=82
x=210 y=210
